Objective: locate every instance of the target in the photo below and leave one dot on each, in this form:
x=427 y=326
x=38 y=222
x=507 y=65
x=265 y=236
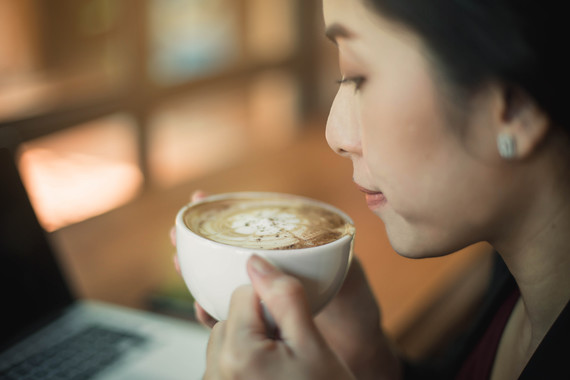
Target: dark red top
x=473 y=353
x=480 y=361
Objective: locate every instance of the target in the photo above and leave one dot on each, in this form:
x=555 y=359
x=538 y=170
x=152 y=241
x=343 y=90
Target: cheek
x=403 y=133
x=414 y=155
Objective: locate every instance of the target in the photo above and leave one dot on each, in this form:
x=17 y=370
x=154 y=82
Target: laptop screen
x=32 y=285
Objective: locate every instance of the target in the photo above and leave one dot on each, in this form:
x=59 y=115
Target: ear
x=523 y=124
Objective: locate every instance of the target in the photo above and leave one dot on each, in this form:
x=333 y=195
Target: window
x=81 y=171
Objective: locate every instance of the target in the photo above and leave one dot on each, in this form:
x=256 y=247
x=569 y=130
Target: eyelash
x=356 y=81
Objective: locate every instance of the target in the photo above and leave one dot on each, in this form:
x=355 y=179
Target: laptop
x=46 y=333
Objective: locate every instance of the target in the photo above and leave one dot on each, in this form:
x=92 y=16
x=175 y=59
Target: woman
x=453 y=115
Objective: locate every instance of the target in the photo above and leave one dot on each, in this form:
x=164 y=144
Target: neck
x=537 y=253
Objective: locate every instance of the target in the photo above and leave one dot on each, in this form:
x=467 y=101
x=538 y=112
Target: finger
x=215 y=343
x=203 y=317
x=198 y=195
x=244 y=316
x=173 y=235
x=243 y=334
x=284 y=297
x=176 y=263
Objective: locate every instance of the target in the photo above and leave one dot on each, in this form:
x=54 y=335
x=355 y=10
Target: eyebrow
x=335 y=31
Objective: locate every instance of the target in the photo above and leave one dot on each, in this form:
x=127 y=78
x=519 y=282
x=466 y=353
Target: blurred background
x=119 y=109
x=112 y=97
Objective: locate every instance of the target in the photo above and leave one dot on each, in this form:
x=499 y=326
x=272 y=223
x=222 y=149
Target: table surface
x=121 y=256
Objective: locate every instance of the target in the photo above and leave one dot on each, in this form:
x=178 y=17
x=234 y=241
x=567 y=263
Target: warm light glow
x=80 y=173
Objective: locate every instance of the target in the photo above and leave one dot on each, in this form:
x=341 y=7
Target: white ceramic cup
x=212 y=270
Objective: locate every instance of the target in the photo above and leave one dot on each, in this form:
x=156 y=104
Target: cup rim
x=270 y=252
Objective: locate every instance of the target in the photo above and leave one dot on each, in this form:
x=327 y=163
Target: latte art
x=287 y=223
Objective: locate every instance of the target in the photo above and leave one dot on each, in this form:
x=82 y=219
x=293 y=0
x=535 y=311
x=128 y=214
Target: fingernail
x=260 y=266
x=197 y=195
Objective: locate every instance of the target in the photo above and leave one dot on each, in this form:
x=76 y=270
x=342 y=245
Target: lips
x=374 y=199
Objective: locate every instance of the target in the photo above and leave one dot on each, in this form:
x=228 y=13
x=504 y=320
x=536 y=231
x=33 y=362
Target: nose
x=343 y=125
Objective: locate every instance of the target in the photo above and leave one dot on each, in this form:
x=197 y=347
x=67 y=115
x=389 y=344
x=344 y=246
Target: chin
x=418 y=254
x=420 y=240
x=417 y=248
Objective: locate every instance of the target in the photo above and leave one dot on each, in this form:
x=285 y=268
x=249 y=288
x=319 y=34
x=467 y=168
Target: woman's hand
x=351 y=324
x=240 y=348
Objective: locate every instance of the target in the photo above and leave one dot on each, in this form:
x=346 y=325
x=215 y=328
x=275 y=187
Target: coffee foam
x=281 y=223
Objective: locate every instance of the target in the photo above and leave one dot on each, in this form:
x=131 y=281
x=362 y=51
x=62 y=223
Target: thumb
x=285 y=299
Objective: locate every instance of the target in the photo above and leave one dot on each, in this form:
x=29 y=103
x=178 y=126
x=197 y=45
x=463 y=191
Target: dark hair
x=518 y=42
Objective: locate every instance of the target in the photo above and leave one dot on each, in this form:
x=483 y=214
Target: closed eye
x=356 y=81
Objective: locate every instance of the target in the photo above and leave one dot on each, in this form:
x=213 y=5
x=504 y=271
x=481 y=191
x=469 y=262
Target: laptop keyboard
x=80 y=356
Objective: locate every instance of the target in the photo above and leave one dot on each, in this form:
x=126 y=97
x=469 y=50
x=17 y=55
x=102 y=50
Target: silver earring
x=507 y=145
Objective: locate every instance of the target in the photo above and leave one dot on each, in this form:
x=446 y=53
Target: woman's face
x=426 y=173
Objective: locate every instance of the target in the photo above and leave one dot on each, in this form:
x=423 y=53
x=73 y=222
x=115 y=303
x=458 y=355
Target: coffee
x=307 y=239
x=267 y=223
